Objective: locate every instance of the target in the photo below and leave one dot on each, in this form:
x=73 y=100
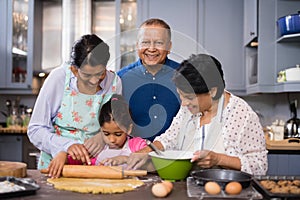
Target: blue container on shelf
x=289 y=24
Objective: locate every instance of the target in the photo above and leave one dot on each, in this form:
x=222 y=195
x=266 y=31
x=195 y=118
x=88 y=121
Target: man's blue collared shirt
x=153 y=100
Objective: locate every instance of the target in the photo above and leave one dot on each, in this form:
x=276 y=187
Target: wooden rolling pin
x=88 y=171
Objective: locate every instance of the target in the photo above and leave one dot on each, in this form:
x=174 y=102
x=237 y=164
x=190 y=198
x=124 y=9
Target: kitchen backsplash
x=26 y=100
x=269 y=107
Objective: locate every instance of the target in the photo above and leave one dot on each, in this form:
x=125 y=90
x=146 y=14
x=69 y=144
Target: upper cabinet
x=250 y=21
x=3 y=21
x=274 y=52
x=243 y=35
x=19 y=52
x=220 y=33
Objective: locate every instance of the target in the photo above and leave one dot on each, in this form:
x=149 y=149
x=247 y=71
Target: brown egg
x=212 y=187
x=233 y=188
x=160 y=190
x=169 y=185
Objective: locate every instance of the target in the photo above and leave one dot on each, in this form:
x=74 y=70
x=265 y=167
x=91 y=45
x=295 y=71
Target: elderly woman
x=218 y=126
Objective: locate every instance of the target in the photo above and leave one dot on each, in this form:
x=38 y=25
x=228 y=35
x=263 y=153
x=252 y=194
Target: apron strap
x=68 y=75
x=114 y=86
x=220 y=108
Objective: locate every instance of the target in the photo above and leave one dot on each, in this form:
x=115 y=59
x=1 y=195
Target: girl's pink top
x=134 y=144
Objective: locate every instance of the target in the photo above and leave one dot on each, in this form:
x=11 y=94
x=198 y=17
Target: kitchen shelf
x=289 y=38
x=291 y=86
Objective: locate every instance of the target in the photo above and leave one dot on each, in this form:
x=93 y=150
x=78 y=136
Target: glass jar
x=14 y=120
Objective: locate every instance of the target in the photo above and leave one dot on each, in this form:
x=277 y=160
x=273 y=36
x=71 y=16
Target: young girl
x=116 y=125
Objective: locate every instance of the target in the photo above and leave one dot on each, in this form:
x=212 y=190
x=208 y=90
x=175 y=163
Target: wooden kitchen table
x=47 y=191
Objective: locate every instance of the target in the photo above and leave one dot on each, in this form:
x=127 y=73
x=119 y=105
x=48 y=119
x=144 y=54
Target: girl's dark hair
x=116 y=109
x=91 y=50
x=199 y=74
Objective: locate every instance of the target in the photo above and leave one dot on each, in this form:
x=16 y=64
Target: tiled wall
x=269 y=106
x=27 y=100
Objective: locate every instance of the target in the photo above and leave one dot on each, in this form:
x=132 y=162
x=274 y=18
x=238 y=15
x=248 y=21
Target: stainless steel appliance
x=292 y=126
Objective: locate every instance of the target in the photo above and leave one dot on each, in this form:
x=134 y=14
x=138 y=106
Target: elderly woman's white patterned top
x=242 y=133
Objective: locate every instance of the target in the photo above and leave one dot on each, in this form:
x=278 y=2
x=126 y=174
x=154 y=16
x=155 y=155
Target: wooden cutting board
x=16 y=169
x=286 y=144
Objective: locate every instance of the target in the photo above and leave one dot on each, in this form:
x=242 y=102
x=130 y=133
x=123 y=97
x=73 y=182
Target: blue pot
x=289 y=24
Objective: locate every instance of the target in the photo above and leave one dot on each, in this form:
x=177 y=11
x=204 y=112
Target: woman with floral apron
x=65 y=117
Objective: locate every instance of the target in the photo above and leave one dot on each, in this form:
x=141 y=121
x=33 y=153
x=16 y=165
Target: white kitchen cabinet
x=204 y=26
x=274 y=53
x=19 y=46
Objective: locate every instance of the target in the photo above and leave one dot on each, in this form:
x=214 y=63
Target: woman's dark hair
x=91 y=50
x=116 y=109
x=199 y=74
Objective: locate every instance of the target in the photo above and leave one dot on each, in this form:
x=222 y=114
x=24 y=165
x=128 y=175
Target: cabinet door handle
x=252 y=33
x=34 y=154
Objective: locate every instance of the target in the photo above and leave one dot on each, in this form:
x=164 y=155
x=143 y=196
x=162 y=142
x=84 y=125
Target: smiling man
x=147 y=84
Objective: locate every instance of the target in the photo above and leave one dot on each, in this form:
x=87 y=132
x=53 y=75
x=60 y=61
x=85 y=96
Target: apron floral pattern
x=77 y=117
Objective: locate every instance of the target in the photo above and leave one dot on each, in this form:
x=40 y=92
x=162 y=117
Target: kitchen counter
x=13 y=130
x=47 y=191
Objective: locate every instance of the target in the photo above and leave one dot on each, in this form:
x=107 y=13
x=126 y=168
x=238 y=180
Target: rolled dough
x=96 y=186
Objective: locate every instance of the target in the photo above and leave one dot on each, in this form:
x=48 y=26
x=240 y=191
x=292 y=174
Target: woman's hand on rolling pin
x=95 y=144
x=79 y=152
x=56 y=165
x=205 y=158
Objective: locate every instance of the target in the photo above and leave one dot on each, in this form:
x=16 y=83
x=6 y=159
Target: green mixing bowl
x=172 y=165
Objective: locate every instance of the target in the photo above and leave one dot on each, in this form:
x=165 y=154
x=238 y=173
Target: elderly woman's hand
x=206 y=158
x=117 y=160
x=137 y=160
